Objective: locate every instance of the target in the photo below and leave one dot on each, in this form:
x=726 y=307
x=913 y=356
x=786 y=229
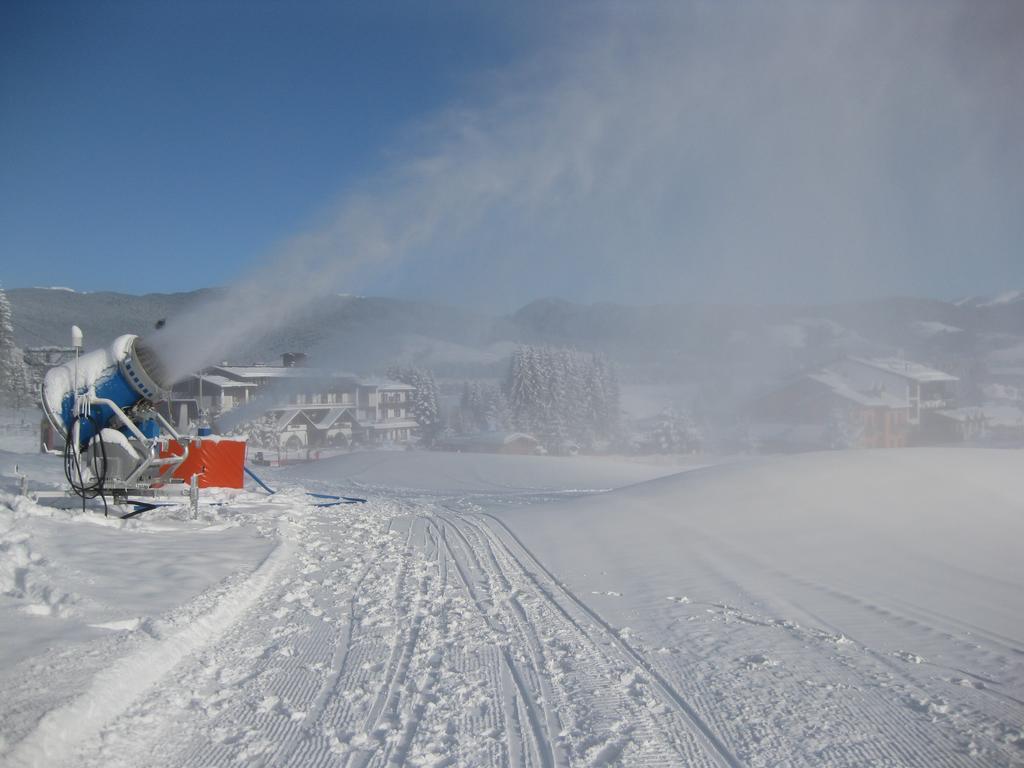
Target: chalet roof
x=280 y=372
x=261 y=371
x=388 y=385
x=328 y=419
x=320 y=416
x=287 y=417
x=842 y=387
x=222 y=381
x=905 y=368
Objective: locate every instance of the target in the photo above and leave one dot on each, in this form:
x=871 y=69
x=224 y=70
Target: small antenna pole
x=76 y=343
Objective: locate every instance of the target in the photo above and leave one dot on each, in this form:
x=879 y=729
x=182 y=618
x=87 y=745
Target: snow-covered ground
x=19 y=429
x=846 y=609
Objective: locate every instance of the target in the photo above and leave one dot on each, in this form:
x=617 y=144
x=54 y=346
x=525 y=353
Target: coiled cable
x=73 y=465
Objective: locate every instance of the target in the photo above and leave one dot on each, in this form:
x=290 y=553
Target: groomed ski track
x=401 y=632
x=420 y=630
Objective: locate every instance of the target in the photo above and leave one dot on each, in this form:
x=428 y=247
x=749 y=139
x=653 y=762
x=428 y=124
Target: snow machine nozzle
x=126 y=374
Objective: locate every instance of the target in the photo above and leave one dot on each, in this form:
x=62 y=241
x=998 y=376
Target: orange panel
x=219 y=463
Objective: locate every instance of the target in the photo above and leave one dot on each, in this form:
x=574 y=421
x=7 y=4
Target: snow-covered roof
x=843 y=388
x=286 y=417
x=387 y=384
x=280 y=372
x=261 y=371
x=328 y=419
x=222 y=381
x=905 y=368
x=321 y=416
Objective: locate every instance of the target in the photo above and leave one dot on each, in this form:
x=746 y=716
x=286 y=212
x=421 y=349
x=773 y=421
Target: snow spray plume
x=723 y=152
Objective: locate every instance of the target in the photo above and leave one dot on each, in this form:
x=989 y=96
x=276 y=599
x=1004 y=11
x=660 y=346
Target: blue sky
x=161 y=146
x=492 y=153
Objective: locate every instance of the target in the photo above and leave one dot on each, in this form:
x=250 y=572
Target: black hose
x=73 y=466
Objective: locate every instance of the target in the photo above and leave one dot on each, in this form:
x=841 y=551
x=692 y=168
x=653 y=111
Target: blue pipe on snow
x=334 y=500
x=262 y=485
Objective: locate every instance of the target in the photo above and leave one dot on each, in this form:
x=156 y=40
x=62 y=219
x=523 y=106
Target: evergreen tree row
x=14 y=378
x=559 y=395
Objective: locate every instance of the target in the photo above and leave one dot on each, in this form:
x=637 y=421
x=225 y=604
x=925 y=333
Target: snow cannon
x=115 y=441
x=83 y=395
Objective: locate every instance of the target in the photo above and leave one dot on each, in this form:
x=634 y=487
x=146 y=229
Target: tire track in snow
x=715 y=746
x=661 y=739
x=388 y=694
x=907 y=708
x=517 y=693
x=425 y=688
x=297 y=684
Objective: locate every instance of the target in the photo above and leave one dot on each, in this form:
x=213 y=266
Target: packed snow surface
x=840 y=609
x=442 y=472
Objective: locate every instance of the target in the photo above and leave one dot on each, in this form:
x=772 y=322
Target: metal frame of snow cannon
x=137 y=479
x=149 y=475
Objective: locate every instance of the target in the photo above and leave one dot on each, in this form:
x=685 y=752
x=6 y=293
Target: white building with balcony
x=312 y=408
x=924 y=389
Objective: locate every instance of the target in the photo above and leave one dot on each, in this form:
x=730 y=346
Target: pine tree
x=428 y=410
x=522 y=390
x=676 y=432
x=425 y=408
x=496 y=413
x=13 y=374
x=464 y=416
x=612 y=402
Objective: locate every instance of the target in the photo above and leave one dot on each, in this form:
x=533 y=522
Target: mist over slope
x=894 y=525
x=720 y=348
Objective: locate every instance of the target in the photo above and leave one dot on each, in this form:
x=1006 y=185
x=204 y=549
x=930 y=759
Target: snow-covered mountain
x=1006 y=297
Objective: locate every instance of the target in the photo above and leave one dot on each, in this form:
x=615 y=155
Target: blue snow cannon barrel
x=126 y=373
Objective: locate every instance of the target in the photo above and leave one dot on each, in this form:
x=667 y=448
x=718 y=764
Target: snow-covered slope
x=453 y=473
x=820 y=604
x=892 y=523
x=840 y=609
